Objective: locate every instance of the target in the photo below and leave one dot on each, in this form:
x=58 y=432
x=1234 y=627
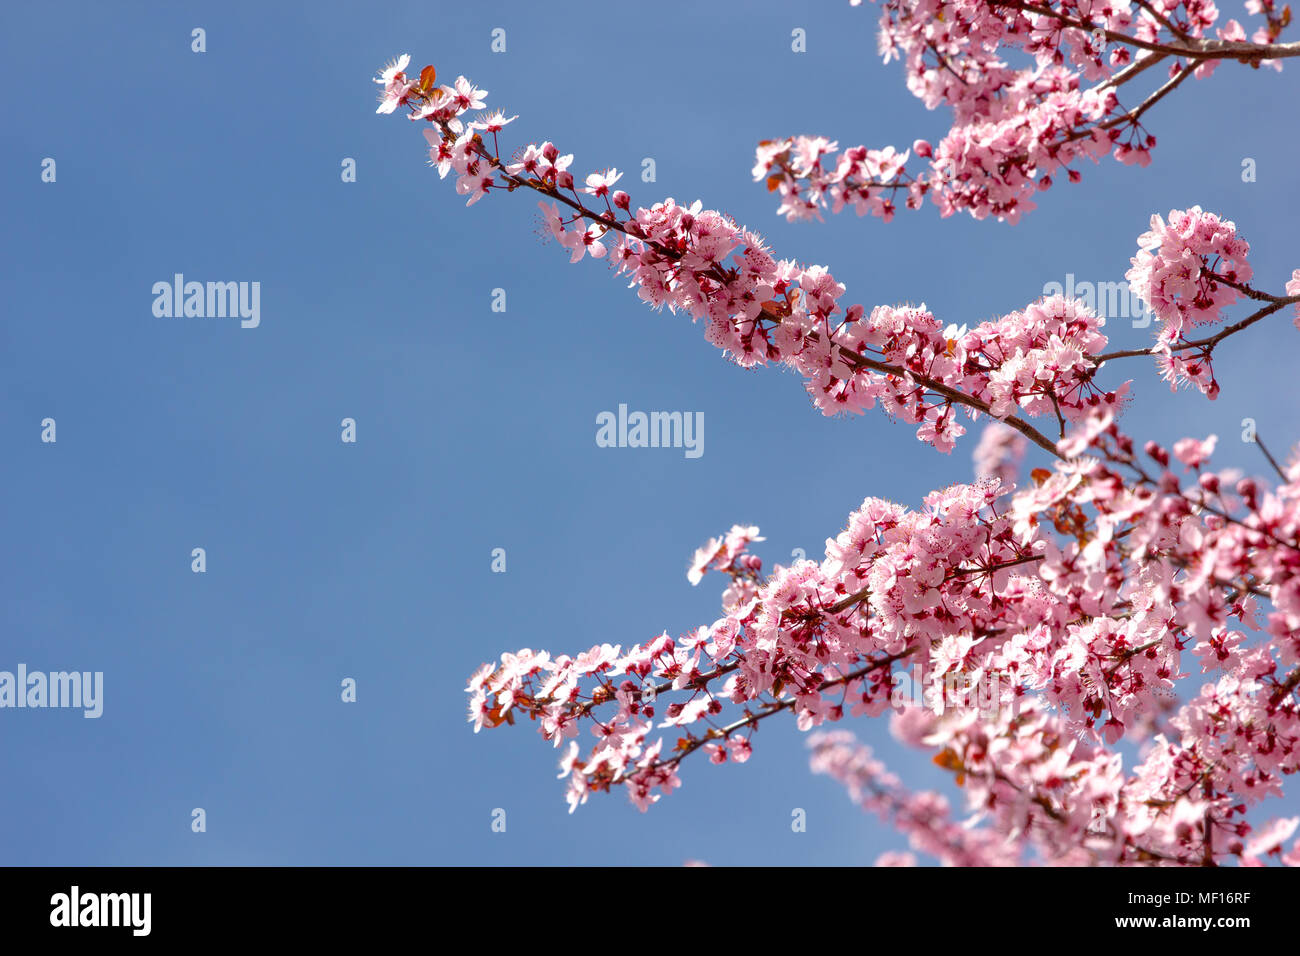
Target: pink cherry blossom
x=598 y=184
x=397 y=89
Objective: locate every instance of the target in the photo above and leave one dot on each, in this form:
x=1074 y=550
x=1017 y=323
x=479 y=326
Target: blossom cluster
x=1014 y=130
x=1189 y=270
x=1088 y=596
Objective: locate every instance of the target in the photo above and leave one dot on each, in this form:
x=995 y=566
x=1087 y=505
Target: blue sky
x=475 y=429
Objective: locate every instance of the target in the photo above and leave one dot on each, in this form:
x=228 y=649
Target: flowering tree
x=1039 y=624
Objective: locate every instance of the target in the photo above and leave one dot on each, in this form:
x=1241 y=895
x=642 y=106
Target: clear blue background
x=476 y=429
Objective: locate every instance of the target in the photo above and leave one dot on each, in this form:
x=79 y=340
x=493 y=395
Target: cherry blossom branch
x=1208 y=343
x=1201 y=48
x=1162 y=20
x=774 y=311
x=605 y=220
x=1138 y=66
x=1013 y=130
x=1259 y=442
x=751 y=720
